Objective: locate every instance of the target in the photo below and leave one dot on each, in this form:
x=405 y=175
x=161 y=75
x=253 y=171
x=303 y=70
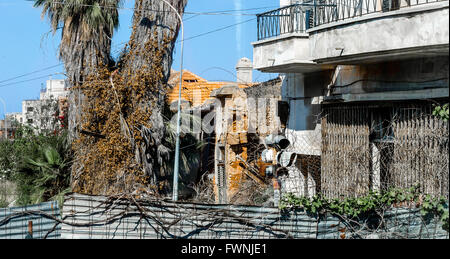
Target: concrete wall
x=415 y=74
x=415 y=29
x=282 y=51
x=410 y=32
x=8 y=192
x=304 y=93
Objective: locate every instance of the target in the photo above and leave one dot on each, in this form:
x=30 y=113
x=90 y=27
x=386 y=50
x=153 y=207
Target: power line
x=225 y=12
x=119 y=44
x=190 y=38
x=198 y=35
x=37 y=71
x=220 y=29
x=28 y=80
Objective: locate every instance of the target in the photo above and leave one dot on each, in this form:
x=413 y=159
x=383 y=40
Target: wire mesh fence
x=31 y=222
x=126 y=217
x=120 y=217
x=380 y=147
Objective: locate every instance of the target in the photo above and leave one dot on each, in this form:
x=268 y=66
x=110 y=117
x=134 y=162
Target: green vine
x=441 y=111
x=355 y=208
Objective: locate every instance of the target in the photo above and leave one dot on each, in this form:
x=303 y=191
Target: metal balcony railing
x=281 y=21
x=310 y=13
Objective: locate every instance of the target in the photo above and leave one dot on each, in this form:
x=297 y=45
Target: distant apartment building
x=16 y=117
x=40 y=113
x=55 y=89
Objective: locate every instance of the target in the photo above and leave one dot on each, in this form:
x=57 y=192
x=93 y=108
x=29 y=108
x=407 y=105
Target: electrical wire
x=220 y=29
x=34 y=72
x=118 y=50
x=196 y=36
x=28 y=80
x=225 y=12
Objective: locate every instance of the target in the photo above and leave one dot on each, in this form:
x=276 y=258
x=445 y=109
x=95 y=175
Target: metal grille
x=222 y=186
x=345 y=152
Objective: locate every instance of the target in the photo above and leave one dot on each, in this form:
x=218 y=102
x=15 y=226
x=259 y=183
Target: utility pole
x=177 y=147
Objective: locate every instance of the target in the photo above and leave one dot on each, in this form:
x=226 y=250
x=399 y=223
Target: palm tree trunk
x=126 y=106
x=81 y=56
x=155 y=30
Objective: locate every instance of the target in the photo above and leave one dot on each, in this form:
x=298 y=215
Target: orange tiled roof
x=195 y=89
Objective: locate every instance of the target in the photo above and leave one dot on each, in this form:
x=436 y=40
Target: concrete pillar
x=293 y=90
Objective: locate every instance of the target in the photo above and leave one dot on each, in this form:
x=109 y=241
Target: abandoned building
x=234 y=138
x=361 y=79
x=196 y=90
x=351 y=111
x=244 y=118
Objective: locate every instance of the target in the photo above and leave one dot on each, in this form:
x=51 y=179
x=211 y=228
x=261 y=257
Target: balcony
x=317 y=34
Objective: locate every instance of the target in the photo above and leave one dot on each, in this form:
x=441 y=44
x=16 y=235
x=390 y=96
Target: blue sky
x=28 y=46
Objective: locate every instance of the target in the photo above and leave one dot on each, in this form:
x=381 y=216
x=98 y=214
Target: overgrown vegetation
x=441 y=111
x=122 y=144
x=37 y=163
x=117 y=126
x=373 y=203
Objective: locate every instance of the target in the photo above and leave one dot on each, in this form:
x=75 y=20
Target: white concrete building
x=36 y=113
x=55 y=88
x=355 y=53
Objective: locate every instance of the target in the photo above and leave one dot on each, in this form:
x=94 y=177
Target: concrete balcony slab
x=288 y=53
x=416 y=31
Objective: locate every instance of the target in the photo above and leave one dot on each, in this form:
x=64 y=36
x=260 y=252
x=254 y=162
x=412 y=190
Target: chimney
x=244 y=71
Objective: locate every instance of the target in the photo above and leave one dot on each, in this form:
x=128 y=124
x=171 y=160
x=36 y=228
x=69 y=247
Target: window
x=190 y=80
x=30 y=121
x=30 y=109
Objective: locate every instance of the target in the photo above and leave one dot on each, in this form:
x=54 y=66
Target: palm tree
x=140 y=84
x=87 y=29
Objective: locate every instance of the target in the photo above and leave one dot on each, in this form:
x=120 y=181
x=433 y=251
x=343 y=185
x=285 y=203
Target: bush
x=38 y=163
